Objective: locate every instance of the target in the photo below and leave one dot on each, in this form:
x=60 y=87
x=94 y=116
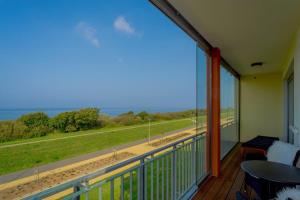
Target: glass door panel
x=201 y=114
x=229 y=111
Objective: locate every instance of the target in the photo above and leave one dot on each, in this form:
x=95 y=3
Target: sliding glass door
x=202 y=61
x=229 y=111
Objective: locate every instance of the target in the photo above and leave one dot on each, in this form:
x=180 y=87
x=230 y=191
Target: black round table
x=272 y=172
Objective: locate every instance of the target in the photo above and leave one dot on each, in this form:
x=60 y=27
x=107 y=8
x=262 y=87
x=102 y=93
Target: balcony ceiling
x=246 y=31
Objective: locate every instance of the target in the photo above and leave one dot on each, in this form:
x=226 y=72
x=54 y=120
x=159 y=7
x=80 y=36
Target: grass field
x=28 y=153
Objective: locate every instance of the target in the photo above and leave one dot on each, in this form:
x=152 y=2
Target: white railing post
x=174 y=177
x=194 y=161
x=142 y=179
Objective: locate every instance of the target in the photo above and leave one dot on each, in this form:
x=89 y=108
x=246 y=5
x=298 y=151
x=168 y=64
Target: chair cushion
x=260 y=142
x=282 y=152
x=255 y=156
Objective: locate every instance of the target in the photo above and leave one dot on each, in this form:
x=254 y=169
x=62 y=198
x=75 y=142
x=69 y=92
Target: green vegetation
x=39 y=124
x=11 y=130
x=83 y=119
x=58 y=146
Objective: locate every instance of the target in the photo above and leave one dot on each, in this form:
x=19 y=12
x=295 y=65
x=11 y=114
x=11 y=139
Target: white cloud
x=88 y=32
x=122 y=25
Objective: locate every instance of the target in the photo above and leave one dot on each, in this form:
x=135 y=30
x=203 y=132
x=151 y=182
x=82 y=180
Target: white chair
x=290 y=155
x=282 y=152
x=288 y=194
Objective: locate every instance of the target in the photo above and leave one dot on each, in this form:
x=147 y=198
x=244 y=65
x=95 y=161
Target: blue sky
x=60 y=53
x=63 y=53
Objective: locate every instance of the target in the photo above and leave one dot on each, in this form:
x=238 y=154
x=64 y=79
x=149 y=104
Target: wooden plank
x=237 y=185
x=224 y=182
x=208 y=185
x=220 y=187
x=227 y=182
x=224 y=186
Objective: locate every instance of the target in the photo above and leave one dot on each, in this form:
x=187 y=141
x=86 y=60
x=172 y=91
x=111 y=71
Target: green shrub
x=20 y=130
x=35 y=119
x=76 y=120
x=86 y=118
x=39 y=131
x=128 y=113
x=12 y=130
x=143 y=115
x=127 y=119
x=71 y=128
x=27 y=126
x=37 y=124
x=105 y=120
x=63 y=120
x=5 y=130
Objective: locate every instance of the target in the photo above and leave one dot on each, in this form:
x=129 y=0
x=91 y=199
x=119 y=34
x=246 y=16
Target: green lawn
x=25 y=156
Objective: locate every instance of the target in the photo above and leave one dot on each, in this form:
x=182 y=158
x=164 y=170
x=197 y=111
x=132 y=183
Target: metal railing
x=170 y=172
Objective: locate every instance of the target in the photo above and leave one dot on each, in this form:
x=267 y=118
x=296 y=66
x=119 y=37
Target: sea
x=12 y=114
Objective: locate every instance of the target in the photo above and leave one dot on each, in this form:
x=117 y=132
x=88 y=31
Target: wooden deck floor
x=225 y=186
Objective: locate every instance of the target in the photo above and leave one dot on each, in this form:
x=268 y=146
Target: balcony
x=240 y=101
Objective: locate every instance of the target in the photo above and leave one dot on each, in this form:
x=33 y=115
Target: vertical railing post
x=81 y=186
x=193 y=161
x=142 y=179
x=76 y=188
x=197 y=154
x=174 y=177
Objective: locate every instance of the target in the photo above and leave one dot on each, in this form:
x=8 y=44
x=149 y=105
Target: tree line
x=40 y=124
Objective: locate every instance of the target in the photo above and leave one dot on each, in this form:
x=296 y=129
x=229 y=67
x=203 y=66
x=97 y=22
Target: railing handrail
x=75 y=182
